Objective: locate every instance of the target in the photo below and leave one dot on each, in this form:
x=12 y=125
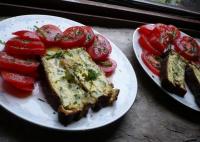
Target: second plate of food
x=163 y=50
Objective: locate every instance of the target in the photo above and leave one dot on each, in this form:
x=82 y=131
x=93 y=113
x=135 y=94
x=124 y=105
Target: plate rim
x=174 y=96
x=74 y=130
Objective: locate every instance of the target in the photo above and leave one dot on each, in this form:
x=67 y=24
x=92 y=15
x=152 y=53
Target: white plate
x=187 y=100
x=41 y=113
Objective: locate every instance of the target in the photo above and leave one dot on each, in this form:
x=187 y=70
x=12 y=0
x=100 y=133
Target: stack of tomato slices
x=19 y=60
x=156 y=39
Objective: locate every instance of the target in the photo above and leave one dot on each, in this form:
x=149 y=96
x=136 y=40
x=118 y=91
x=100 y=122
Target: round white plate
x=41 y=113
x=187 y=100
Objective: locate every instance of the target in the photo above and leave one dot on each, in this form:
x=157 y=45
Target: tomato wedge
x=16 y=46
x=144 y=43
x=49 y=34
x=21 y=82
x=152 y=62
x=188 y=47
x=100 y=49
x=10 y=63
x=173 y=33
x=108 y=66
x=72 y=37
x=27 y=35
x=89 y=36
x=146 y=29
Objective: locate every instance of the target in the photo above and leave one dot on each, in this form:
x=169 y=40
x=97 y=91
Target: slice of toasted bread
x=192 y=77
x=172 y=73
x=75 y=98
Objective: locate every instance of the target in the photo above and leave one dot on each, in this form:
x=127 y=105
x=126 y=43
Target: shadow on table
x=22 y=131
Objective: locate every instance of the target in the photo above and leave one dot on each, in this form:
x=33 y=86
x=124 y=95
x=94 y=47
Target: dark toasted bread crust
x=193 y=83
x=165 y=82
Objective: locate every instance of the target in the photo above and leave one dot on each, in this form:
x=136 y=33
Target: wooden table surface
x=154 y=117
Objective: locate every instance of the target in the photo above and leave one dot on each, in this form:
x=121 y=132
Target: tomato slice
x=173 y=33
x=89 y=36
x=72 y=37
x=144 y=43
x=100 y=49
x=108 y=66
x=188 y=47
x=146 y=29
x=10 y=63
x=27 y=35
x=21 y=82
x=49 y=34
x=159 y=38
x=152 y=62
x=16 y=46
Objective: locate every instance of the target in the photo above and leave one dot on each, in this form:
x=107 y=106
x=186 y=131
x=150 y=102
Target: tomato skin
x=12 y=50
x=100 y=49
x=144 y=43
x=173 y=33
x=73 y=37
x=108 y=66
x=159 y=37
x=146 y=29
x=90 y=36
x=187 y=47
x=49 y=34
x=10 y=63
x=151 y=64
x=21 y=82
x=17 y=46
x=27 y=35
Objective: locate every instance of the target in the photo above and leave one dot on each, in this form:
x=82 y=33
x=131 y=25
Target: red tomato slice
x=159 y=37
x=89 y=36
x=10 y=63
x=16 y=46
x=151 y=62
x=72 y=37
x=100 y=49
x=144 y=43
x=108 y=66
x=49 y=34
x=27 y=35
x=21 y=82
x=24 y=43
x=173 y=32
x=187 y=47
x=146 y=29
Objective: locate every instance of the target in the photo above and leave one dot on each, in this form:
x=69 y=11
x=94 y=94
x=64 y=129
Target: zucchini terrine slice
x=88 y=75
x=74 y=101
x=172 y=73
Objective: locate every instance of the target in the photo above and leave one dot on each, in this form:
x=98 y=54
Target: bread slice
x=192 y=77
x=88 y=75
x=75 y=99
x=172 y=73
